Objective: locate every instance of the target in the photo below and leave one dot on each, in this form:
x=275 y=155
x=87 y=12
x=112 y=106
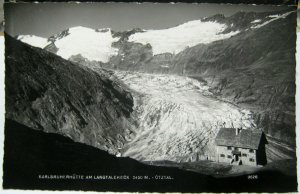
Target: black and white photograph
x=150 y=97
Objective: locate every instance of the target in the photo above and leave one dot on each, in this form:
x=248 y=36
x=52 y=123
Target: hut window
x=251 y=160
x=251 y=150
x=229 y=156
x=237 y=149
x=245 y=155
x=228 y=147
x=222 y=155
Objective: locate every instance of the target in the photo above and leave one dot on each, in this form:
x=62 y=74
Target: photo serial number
x=253 y=177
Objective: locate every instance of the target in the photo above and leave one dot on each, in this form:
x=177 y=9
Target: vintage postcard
x=150 y=97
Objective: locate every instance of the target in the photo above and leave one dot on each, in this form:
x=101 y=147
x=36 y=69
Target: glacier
x=178 y=117
x=176 y=39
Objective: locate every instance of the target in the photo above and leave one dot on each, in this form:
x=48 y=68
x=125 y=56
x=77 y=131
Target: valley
x=193 y=103
x=159 y=95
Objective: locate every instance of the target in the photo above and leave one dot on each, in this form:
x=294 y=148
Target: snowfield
x=274 y=18
x=89 y=43
x=176 y=39
x=93 y=45
x=34 y=40
x=178 y=117
x=255 y=21
x=96 y=45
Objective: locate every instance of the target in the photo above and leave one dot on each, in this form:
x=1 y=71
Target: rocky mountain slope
x=48 y=93
x=255 y=70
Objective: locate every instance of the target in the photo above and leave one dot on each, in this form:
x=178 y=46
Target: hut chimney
x=237 y=131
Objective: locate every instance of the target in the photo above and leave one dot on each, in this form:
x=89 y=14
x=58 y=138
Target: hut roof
x=245 y=138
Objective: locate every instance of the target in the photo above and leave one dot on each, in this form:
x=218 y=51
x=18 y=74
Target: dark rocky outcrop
x=46 y=92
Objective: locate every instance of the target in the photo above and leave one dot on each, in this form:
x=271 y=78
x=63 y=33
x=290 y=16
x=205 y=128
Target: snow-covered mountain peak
x=176 y=39
x=95 y=45
x=82 y=29
x=33 y=40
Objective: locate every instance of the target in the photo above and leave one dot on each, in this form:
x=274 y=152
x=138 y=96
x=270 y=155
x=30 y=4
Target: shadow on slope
x=29 y=153
x=45 y=92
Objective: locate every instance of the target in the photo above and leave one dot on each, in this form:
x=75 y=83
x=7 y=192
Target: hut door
x=236 y=158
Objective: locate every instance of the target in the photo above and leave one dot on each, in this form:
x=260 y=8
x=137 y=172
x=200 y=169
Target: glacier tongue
x=178 y=117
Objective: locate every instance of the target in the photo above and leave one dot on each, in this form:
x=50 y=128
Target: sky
x=46 y=19
x=1 y=10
